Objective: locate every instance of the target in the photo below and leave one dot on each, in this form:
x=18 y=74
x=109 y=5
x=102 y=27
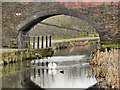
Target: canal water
x=72 y=71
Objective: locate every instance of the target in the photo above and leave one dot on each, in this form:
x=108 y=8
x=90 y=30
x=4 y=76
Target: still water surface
x=73 y=71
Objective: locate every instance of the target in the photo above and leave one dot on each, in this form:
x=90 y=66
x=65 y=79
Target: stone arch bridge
x=19 y=18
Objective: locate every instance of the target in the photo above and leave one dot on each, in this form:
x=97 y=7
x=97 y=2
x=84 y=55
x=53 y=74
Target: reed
x=105 y=66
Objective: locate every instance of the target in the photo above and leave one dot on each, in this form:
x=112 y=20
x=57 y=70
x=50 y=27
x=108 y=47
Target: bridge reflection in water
x=73 y=71
x=77 y=75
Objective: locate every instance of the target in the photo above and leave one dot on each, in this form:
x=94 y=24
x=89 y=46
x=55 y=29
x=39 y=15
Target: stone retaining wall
x=12 y=56
x=72 y=43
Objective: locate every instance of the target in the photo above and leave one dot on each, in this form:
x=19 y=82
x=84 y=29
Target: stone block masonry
x=20 y=18
x=13 y=56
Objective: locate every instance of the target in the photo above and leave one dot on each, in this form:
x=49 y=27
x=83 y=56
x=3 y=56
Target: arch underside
x=27 y=24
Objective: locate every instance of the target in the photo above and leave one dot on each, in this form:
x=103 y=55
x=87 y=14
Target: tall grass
x=105 y=67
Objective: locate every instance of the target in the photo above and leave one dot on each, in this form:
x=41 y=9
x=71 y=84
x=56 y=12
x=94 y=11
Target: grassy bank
x=111 y=45
x=75 y=36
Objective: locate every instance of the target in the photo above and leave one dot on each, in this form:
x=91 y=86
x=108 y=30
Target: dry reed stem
x=105 y=67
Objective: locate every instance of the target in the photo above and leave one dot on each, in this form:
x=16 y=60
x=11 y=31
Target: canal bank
x=73 y=71
x=18 y=55
x=66 y=43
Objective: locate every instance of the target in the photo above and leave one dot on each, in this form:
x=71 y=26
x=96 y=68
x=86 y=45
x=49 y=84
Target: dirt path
x=84 y=38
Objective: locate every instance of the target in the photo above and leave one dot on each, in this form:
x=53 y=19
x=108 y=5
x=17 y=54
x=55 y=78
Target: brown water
x=72 y=71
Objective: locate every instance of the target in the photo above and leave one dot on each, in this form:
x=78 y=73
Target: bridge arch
x=37 y=17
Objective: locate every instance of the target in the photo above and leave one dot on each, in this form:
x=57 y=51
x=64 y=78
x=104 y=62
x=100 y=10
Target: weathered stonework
x=19 y=18
x=12 y=56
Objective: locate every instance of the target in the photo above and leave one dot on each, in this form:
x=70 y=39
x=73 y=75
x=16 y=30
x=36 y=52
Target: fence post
x=38 y=42
x=42 y=42
x=33 y=42
x=46 y=41
x=29 y=42
x=50 y=42
x=21 y=41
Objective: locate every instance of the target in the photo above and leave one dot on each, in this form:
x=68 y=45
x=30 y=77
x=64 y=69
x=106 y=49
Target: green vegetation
x=12 y=56
x=75 y=36
x=13 y=43
x=111 y=45
x=13 y=68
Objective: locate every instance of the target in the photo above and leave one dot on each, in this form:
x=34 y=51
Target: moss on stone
x=12 y=56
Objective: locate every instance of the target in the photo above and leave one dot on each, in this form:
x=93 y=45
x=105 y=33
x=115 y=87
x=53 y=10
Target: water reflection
x=73 y=71
x=76 y=75
x=81 y=50
x=52 y=72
